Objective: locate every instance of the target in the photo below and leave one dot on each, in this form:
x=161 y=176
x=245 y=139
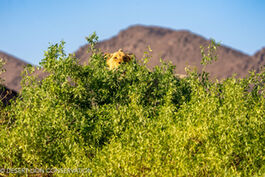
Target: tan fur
x=116 y=58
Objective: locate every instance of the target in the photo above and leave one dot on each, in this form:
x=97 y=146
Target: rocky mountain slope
x=259 y=58
x=181 y=47
x=13 y=67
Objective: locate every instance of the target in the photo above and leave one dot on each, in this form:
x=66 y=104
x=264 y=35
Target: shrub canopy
x=134 y=122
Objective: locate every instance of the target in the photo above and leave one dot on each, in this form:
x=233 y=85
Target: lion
x=117 y=58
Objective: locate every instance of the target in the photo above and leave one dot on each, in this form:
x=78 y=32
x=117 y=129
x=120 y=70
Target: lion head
x=116 y=58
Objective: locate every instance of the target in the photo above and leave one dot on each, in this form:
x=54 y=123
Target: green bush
x=1 y=81
x=133 y=121
x=3 y=96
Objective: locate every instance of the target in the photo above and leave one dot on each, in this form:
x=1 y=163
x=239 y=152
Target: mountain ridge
x=182 y=47
x=13 y=66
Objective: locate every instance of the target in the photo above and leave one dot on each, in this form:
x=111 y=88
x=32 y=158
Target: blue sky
x=28 y=26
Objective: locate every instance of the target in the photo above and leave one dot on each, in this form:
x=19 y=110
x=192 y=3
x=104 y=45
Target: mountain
x=260 y=59
x=181 y=47
x=13 y=67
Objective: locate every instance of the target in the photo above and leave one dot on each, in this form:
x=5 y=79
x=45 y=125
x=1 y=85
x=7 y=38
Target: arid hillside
x=179 y=46
x=13 y=67
x=259 y=59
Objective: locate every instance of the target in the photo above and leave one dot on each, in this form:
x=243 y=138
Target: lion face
x=116 y=58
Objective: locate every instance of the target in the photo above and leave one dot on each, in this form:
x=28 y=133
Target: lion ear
x=127 y=58
x=131 y=55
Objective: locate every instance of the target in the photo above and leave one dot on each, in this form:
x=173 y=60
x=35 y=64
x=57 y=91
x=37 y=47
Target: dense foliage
x=133 y=121
x=3 y=95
